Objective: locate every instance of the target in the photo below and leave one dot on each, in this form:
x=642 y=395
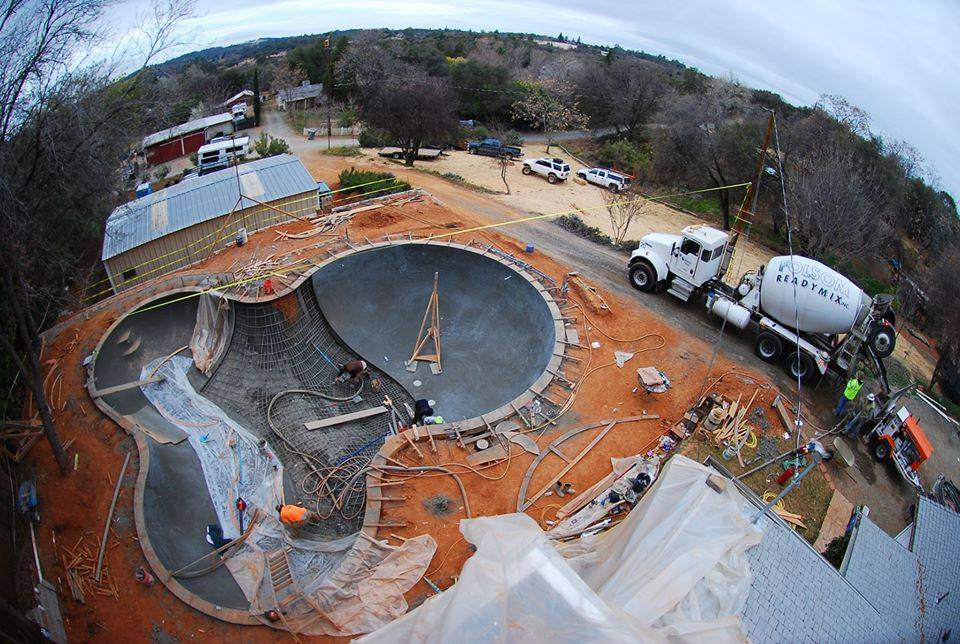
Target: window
x=129 y=274
x=717 y=252
x=689 y=247
x=705 y=255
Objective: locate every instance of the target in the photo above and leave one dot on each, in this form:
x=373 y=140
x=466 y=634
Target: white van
x=218 y=153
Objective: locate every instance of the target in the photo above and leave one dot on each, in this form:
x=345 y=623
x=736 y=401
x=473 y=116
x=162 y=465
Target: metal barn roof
x=198 y=200
x=301 y=92
x=185 y=128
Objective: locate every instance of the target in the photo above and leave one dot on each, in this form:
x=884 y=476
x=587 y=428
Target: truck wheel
x=471 y=151
x=882 y=341
x=768 y=346
x=799 y=366
x=396 y=155
x=551 y=178
x=881 y=450
x=508 y=156
x=526 y=169
x=613 y=188
x=642 y=277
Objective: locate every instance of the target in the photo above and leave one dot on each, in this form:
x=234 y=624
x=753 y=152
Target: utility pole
x=328 y=81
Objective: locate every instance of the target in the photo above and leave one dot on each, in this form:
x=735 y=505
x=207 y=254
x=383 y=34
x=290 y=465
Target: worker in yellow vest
x=849 y=393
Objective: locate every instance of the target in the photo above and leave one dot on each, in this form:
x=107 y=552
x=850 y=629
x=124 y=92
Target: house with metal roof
x=298 y=98
x=186 y=223
x=186 y=138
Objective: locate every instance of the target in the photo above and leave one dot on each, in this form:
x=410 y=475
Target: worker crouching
x=295 y=517
x=354 y=371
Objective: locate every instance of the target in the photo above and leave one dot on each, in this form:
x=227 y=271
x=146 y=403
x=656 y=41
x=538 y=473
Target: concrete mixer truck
x=803 y=312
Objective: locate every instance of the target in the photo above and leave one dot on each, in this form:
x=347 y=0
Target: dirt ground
x=76 y=504
x=532 y=194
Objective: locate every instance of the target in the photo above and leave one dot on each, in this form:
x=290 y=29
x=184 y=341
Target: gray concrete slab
x=177 y=510
x=496 y=328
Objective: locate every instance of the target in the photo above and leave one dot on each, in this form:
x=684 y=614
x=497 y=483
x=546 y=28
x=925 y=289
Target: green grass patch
x=341 y=151
x=367 y=182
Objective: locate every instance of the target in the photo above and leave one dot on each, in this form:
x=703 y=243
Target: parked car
x=427 y=152
x=494 y=148
x=612 y=181
x=553 y=169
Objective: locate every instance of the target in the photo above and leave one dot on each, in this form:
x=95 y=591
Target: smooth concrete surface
x=497 y=331
x=177 y=510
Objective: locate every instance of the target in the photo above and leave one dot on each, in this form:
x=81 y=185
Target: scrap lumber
x=106 y=526
x=100 y=393
x=569 y=466
x=493 y=453
x=345 y=418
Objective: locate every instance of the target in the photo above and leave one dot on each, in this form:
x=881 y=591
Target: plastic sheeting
x=211 y=333
x=674 y=570
x=347 y=586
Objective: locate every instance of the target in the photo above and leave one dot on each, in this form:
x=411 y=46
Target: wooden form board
x=345 y=418
x=492 y=453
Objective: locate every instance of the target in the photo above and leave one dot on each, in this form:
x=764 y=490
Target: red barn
x=186 y=138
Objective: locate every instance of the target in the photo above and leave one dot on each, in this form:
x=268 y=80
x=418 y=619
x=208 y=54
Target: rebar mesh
x=287 y=344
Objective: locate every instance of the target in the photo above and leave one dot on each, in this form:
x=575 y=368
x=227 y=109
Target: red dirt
x=78 y=502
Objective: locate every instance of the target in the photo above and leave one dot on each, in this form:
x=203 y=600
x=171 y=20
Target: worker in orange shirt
x=295 y=517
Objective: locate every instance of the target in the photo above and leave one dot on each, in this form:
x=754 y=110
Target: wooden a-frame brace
x=426 y=333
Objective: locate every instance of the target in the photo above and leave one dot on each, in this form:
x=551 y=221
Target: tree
x=414 y=110
x=269 y=146
x=550 y=106
x=624 y=94
x=62 y=130
x=832 y=201
x=710 y=138
x=256 y=96
x=622 y=208
x=484 y=92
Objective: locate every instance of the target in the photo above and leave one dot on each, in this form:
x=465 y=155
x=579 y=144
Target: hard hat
x=438 y=420
x=870 y=397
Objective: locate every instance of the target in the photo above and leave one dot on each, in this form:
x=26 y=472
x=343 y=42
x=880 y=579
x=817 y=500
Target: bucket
x=529 y=248
x=242 y=237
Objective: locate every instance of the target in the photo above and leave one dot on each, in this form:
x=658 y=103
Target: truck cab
x=687 y=261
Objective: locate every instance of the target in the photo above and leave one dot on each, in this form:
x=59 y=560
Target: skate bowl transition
x=502 y=342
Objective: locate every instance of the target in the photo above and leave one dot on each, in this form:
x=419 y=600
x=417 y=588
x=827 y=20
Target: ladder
x=681 y=289
x=285 y=588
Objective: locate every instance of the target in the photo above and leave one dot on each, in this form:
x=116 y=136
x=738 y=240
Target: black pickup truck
x=494 y=148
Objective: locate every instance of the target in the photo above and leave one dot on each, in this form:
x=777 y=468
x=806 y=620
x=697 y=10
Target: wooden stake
x=106 y=526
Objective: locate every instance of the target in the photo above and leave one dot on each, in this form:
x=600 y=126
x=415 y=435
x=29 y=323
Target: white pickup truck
x=612 y=181
x=553 y=169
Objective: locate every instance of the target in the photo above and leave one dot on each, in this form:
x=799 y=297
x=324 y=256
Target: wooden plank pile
x=79 y=564
x=734 y=428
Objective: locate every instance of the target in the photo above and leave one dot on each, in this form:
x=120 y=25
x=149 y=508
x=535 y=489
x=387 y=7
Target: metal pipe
x=815 y=459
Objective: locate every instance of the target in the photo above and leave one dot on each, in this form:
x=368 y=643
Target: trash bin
x=311 y=134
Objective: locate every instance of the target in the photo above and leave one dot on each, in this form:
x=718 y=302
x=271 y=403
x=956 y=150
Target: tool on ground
x=241 y=506
x=427 y=333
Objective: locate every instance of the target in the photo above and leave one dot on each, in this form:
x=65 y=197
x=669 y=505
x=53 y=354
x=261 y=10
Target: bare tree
x=624 y=94
x=710 y=137
x=832 y=200
x=622 y=208
x=415 y=109
x=550 y=106
x=62 y=130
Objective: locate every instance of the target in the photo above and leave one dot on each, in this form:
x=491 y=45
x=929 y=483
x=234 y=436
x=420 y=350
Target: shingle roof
x=185 y=128
x=208 y=197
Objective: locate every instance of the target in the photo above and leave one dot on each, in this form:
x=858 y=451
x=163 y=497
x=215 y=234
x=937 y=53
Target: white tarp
x=347 y=587
x=211 y=333
x=675 y=569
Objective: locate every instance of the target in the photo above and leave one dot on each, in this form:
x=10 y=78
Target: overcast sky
x=896 y=60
